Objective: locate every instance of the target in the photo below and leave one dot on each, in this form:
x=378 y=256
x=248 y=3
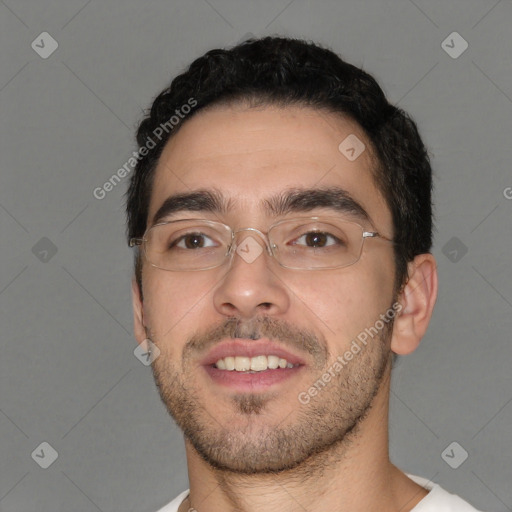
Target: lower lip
x=258 y=381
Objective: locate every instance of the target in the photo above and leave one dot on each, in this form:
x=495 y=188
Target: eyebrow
x=294 y=200
x=211 y=201
x=305 y=200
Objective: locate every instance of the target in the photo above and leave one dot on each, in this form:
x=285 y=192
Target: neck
x=354 y=475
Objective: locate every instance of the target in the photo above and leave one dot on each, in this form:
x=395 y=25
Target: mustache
x=256 y=328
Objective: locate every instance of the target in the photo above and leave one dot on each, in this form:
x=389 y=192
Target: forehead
x=250 y=154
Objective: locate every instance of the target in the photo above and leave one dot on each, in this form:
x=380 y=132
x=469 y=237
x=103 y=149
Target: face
x=268 y=419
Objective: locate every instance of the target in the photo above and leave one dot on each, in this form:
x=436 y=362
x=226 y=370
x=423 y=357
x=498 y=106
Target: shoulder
x=175 y=503
x=439 y=500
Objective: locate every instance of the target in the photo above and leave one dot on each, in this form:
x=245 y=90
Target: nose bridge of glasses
x=248 y=234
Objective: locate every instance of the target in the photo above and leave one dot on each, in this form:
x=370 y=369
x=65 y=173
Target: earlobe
x=417 y=298
x=139 y=327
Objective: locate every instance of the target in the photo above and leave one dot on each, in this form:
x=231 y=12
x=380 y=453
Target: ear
x=417 y=298
x=139 y=327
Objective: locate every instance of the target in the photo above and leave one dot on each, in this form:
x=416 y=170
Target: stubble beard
x=330 y=420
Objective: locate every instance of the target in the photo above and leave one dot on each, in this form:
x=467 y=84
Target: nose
x=251 y=286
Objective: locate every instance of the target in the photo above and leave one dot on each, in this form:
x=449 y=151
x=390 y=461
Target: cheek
x=343 y=303
x=374 y=294
x=172 y=302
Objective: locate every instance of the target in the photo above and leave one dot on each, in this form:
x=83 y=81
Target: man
x=283 y=222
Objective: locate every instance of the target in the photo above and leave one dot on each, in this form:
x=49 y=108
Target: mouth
x=251 y=365
x=254 y=364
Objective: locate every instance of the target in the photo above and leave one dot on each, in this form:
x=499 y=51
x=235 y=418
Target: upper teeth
x=256 y=364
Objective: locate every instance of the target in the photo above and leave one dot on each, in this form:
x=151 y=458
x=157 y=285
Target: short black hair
x=284 y=72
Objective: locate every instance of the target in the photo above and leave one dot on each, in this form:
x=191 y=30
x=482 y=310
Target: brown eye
x=317 y=240
x=193 y=241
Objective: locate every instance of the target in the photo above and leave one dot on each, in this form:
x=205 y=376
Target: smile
x=252 y=364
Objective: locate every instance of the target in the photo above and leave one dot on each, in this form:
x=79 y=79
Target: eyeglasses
x=312 y=243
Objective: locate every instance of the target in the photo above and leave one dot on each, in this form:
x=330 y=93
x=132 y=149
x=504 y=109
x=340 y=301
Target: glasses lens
x=187 y=245
x=322 y=243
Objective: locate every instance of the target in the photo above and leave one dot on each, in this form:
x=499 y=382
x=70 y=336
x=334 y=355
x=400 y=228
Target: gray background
x=68 y=373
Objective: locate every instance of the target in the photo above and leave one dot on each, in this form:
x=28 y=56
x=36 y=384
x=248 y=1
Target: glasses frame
x=270 y=246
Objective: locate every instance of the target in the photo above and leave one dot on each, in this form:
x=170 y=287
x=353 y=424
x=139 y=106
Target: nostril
x=266 y=305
